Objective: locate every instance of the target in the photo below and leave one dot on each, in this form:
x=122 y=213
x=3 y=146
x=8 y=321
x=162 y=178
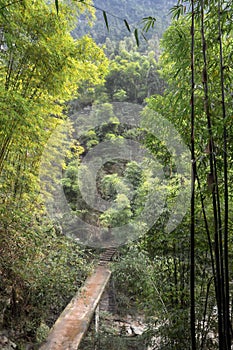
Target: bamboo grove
x=206 y=27
x=220 y=268
x=41 y=68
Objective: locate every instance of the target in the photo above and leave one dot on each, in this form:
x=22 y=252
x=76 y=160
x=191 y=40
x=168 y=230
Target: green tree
x=132 y=76
x=42 y=67
x=210 y=95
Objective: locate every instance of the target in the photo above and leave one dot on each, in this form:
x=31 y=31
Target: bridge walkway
x=73 y=323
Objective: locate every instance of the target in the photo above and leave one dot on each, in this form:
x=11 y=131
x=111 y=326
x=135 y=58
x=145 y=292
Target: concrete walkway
x=72 y=325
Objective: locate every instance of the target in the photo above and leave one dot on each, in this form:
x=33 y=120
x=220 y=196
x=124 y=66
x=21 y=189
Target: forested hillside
x=132 y=11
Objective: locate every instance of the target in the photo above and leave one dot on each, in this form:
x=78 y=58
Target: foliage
x=133 y=191
x=132 y=76
x=42 y=67
x=146 y=286
x=36 y=79
x=108 y=337
x=175 y=106
x=167 y=258
x=40 y=270
x=132 y=12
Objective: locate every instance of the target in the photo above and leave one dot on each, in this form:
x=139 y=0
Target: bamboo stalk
x=192 y=227
x=226 y=195
x=213 y=174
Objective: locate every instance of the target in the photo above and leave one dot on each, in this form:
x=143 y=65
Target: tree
x=133 y=74
x=42 y=67
x=209 y=101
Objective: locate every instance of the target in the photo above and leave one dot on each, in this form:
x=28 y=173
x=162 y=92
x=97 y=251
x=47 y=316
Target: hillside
x=133 y=11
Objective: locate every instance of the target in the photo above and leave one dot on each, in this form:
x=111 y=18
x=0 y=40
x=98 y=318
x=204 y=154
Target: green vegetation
x=172 y=292
x=176 y=279
x=42 y=66
x=132 y=76
x=133 y=12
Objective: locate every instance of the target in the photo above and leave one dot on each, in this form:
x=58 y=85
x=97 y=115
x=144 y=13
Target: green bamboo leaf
x=136 y=36
x=127 y=25
x=149 y=23
x=177 y=10
x=144 y=37
x=106 y=20
x=57 y=6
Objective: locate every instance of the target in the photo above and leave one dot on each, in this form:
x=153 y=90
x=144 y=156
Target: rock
x=6 y=343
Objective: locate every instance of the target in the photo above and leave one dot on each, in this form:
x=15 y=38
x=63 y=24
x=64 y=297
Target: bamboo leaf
x=149 y=23
x=127 y=25
x=106 y=20
x=144 y=37
x=57 y=6
x=177 y=11
x=136 y=36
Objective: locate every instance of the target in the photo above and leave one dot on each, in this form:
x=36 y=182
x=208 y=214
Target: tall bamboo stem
x=192 y=228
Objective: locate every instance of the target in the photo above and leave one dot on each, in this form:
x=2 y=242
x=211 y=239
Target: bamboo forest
x=116 y=175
